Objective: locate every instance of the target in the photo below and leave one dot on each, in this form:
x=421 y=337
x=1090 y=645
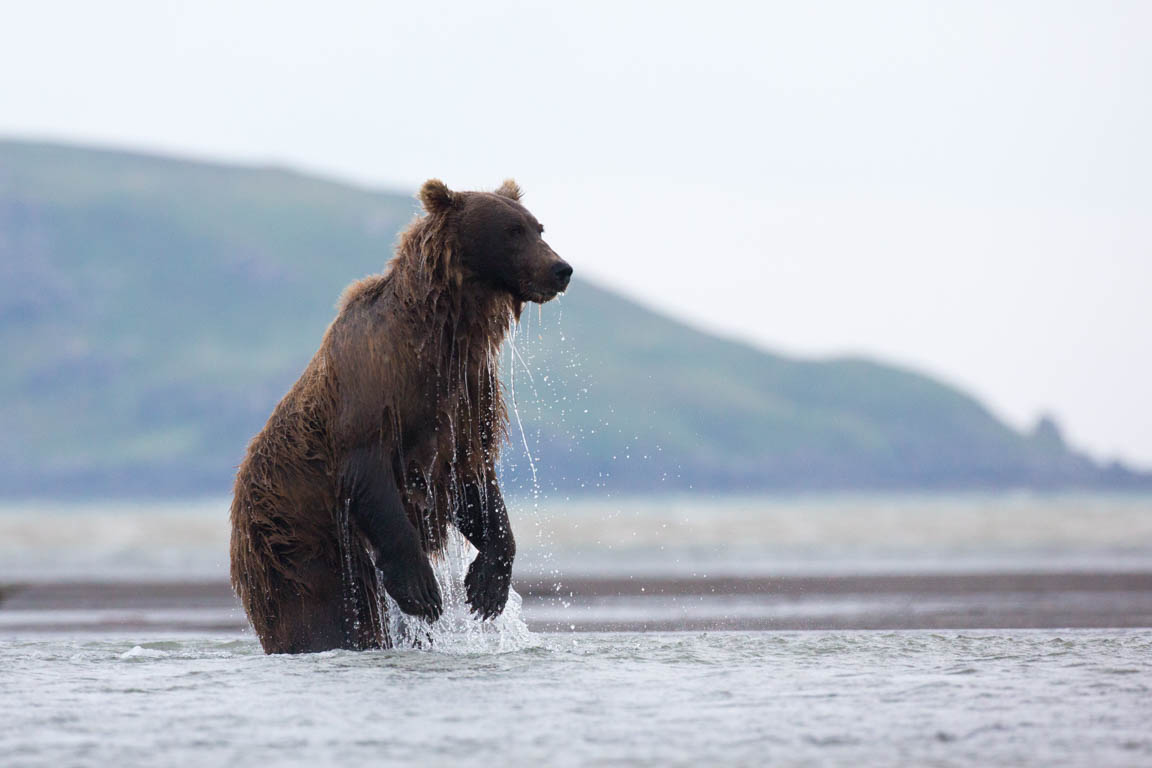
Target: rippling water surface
x=866 y=698
x=96 y=674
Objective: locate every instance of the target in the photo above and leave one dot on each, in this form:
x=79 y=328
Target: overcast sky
x=965 y=188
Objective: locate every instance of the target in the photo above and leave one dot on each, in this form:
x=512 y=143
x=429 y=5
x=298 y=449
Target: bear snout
x=562 y=272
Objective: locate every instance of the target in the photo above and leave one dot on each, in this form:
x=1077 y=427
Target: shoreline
x=989 y=600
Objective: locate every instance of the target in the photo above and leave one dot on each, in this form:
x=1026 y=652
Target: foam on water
x=458 y=631
x=139 y=651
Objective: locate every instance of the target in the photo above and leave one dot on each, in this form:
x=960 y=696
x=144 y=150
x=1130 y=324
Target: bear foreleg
x=378 y=510
x=483 y=519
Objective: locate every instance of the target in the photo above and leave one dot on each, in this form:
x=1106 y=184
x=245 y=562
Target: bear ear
x=511 y=190
x=436 y=197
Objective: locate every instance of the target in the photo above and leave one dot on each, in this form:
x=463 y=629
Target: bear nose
x=563 y=273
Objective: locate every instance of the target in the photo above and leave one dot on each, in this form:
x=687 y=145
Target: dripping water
x=348 y=577
x=457 y=630
x=516 y=411
x=546 y=566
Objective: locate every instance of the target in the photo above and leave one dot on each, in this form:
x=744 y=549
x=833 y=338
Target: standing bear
x=392 y=433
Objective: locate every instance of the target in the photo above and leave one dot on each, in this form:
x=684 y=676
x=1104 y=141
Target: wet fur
x=404 y=387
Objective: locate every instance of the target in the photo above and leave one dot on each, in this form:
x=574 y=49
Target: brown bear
x=392 y=433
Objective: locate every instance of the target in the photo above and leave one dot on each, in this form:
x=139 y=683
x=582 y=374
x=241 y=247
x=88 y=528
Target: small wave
x=140 y=652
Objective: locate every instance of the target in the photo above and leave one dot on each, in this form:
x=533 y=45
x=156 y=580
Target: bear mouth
x=539 y=296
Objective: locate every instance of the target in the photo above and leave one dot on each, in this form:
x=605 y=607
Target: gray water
x=815 y=698
x=652 y=535
x=497 y=693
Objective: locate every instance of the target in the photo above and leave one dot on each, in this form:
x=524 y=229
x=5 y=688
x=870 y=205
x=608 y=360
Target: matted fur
x=410 y=363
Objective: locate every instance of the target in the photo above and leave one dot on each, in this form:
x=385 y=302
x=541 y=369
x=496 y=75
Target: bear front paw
x=414 y=589
x=487 y=584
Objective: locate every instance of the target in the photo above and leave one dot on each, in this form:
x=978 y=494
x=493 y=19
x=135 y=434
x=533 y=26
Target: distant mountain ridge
x=153 y=310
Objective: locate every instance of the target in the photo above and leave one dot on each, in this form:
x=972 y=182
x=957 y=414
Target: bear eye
x=516 y=229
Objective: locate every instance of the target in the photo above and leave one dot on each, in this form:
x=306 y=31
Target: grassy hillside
x=152 y=311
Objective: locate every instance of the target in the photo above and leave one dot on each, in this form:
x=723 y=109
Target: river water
x=689 y=536
x=805 y=698
x=139 y=690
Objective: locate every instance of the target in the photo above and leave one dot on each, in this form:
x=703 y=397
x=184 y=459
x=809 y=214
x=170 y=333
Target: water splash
x=457 y=631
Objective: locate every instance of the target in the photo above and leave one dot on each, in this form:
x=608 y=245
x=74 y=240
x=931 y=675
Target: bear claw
x=487 y=585
x=416 y=592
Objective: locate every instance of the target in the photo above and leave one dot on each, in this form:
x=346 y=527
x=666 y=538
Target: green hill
x=152 y=310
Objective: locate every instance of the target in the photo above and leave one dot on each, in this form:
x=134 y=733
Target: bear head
x=500 y=243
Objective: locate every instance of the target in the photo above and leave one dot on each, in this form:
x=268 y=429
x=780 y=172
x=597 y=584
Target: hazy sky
x=962 y=187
